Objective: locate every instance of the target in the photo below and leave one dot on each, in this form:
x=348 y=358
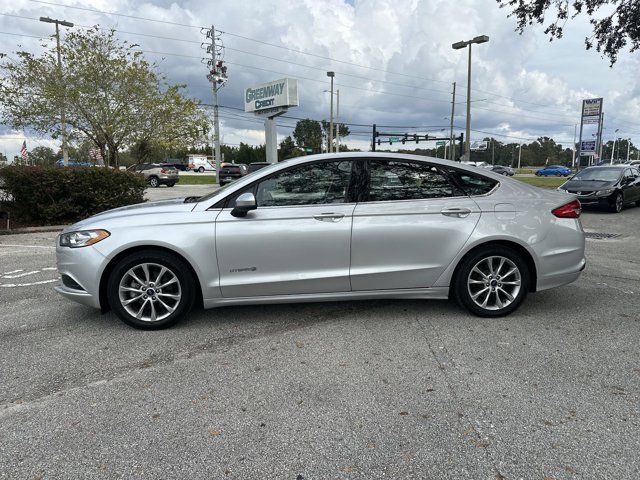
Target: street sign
x=394 y=139
x=441 y=143
x=308 y=150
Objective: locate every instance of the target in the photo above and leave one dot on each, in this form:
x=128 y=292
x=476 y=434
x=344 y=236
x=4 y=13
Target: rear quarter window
x=471 y=183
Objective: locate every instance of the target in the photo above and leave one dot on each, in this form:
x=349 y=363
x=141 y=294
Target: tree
x=111 y=95
x=618 y=26
x=308 y=134
x=43 y=156
x=288 y=149
x=343 y=129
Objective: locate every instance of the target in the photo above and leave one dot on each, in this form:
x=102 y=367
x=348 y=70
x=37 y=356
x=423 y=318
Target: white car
x=347 y=226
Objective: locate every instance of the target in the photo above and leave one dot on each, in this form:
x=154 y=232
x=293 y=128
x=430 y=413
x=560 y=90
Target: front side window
x=312 y=184
x=406 y=180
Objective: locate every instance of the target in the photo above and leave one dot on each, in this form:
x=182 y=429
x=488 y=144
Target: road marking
x=13 y=271
x=18 y=275
x=13 y=285
x=26 y=246
x=49 y=268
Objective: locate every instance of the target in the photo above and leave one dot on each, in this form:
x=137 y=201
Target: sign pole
x=271 y=137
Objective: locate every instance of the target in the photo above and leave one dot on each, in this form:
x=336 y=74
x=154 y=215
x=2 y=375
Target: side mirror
x=244 y=203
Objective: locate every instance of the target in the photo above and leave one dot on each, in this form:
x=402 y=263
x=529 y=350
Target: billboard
x=590 y=126
x=271 y=96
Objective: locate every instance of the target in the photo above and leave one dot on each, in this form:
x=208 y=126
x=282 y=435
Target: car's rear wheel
x=618 y=203
x=492 y=281
x=170 y=184
x=151 y=290
x=153 y=182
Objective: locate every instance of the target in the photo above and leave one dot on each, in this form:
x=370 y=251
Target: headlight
x=605 y=192
x=82 y=238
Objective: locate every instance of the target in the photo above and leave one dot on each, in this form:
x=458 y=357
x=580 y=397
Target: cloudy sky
x=393 y=61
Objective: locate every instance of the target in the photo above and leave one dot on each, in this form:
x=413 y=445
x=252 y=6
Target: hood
x=587 y=185
x=159 y=207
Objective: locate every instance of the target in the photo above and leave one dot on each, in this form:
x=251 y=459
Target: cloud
x=523 y=86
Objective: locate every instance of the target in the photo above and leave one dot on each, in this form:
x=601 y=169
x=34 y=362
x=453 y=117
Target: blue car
x=554 y=171
x=73 y=163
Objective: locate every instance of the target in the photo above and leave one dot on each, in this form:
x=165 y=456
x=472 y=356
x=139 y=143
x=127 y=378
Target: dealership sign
x=271 y=97
x=590 y=126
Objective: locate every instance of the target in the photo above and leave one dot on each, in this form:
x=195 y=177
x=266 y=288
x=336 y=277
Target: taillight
x=572 y=209
x=164 y=170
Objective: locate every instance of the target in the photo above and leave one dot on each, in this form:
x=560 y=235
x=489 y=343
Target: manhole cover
x=600 y=235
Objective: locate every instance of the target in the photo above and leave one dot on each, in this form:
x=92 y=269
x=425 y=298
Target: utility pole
x=519 y=154
x=458 y=46
x=63 y=116
x=331 y=75
x=628 y=148
x=218 y=77
x=337 y=148
x=573 y=146
x=373 y=138
x=452 y=148
x=493 y=151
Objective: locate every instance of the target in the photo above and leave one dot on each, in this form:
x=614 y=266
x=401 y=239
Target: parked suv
x=230 y=172
x=157 y=175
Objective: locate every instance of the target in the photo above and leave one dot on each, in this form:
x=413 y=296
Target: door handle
x=329 y=217
x=460 y=212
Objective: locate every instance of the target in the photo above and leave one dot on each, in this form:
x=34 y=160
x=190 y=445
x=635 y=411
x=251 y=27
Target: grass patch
x=197 y=180
x=543 y=182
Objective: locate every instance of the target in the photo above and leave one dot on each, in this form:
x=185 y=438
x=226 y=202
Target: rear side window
x=472 y=184
x=406 y=180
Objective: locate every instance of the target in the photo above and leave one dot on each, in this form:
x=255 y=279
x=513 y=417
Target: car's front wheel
x=618 y=203
x=492 y=281
x=153 y=182
x=201 y=169
x=151 y=289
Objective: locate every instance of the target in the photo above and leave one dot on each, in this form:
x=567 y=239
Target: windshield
x=599 y=174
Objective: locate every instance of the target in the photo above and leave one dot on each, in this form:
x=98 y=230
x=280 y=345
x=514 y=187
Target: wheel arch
x=526 y=255
x=104 y=278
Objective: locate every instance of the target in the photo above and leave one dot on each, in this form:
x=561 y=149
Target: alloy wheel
x=619 y=203
x=149 y=292
x=494 y=283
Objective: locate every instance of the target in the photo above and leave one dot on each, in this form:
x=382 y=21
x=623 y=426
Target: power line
x=117 y=14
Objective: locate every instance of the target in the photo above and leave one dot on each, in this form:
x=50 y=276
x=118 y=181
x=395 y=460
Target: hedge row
x=54 y=196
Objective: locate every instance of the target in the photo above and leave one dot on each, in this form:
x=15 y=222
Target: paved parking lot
x=382 y=389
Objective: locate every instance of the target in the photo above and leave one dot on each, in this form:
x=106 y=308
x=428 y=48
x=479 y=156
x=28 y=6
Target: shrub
x=53 y=195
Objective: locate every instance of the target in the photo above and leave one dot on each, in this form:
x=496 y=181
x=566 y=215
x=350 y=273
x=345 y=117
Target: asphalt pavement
x=371 y=389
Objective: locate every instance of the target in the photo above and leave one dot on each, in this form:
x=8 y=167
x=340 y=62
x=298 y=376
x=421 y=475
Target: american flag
x=23 y=151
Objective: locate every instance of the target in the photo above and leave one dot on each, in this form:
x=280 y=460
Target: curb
x=51 y=228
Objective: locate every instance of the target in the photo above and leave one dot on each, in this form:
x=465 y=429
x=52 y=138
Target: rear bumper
x=553 y=281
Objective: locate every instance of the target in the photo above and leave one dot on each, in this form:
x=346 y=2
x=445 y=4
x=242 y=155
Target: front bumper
x=84 y=267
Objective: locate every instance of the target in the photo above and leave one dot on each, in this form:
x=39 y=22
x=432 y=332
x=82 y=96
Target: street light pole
x=331 y=75
x=458 y=46
x=452 y=148
x=63 y=116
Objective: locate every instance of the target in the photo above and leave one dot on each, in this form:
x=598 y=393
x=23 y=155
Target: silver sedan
x=324 y=228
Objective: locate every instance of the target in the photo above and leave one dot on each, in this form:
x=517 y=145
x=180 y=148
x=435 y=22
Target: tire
x=153 y=182
x=168 y=309
x=618 y=203
x=506 y=174
x=201 y=170
x=463 y=290
x=171 y=184
x=538 y=174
